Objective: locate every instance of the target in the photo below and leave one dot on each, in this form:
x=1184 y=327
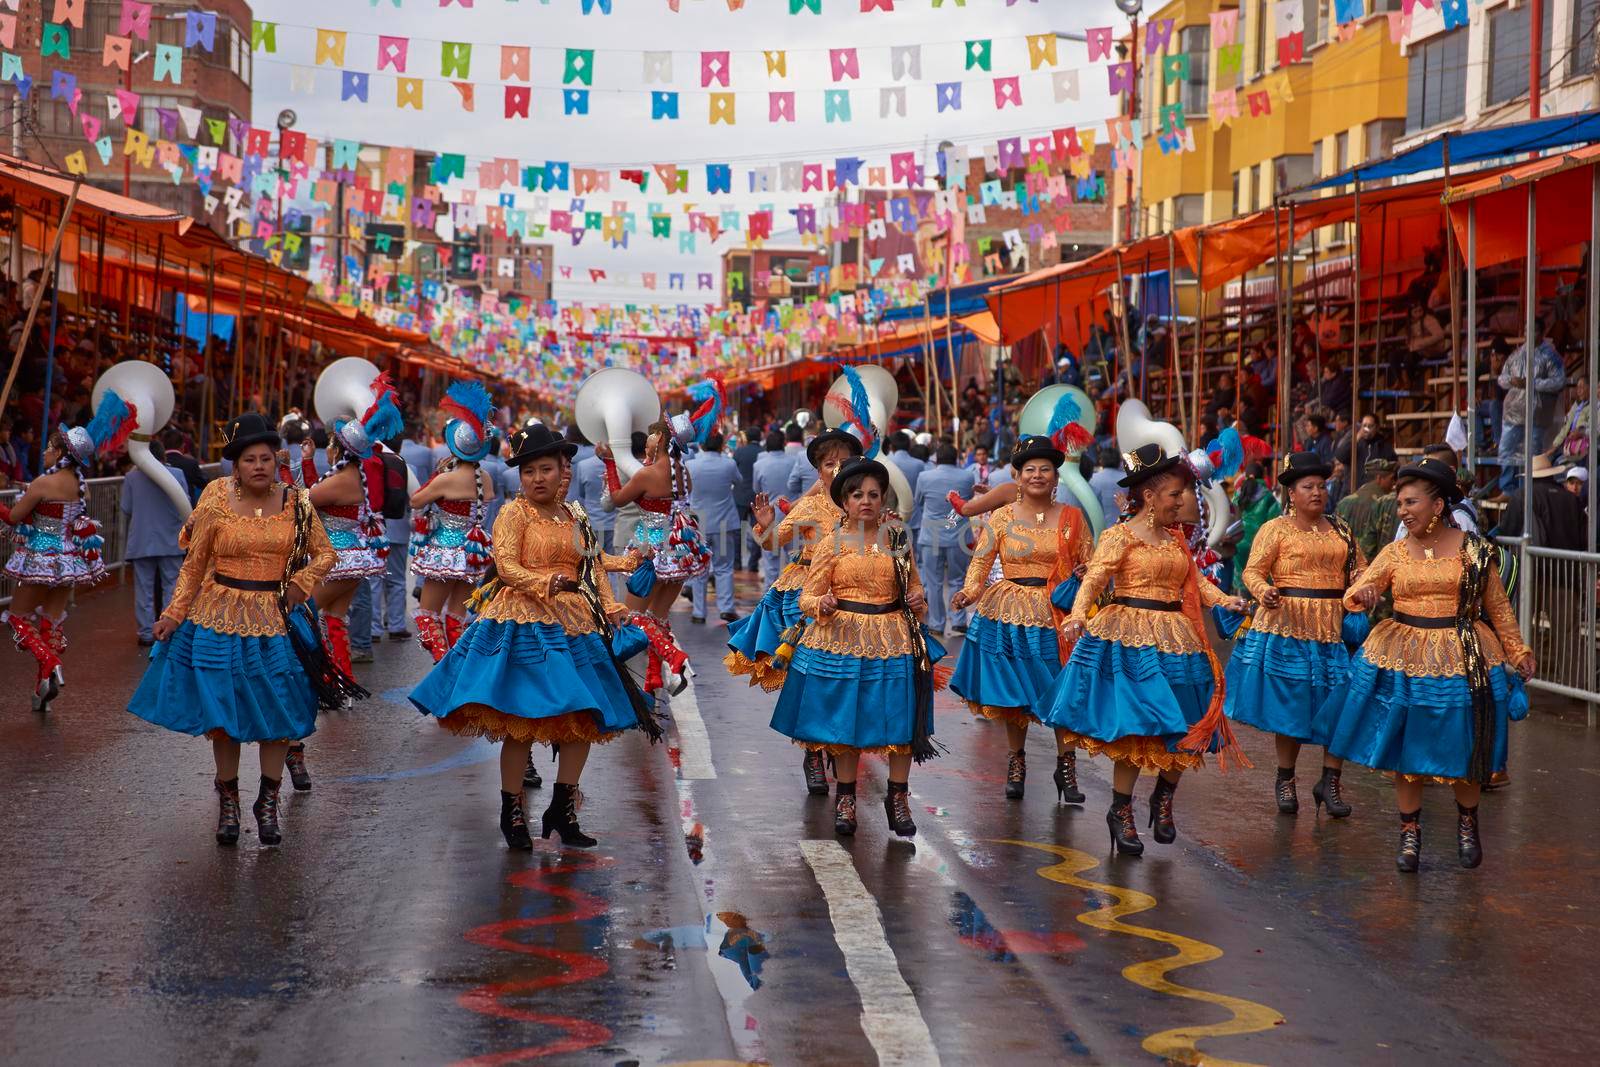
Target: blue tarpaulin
x=1472 y=146
x=965 y=299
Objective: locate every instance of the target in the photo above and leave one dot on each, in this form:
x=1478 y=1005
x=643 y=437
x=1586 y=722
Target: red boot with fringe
x=430 y=634
x=48 y=683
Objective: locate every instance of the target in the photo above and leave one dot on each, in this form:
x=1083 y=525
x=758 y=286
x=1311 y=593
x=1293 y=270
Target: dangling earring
x=1288 y=509
x=1152 y=518
x=1433 y=524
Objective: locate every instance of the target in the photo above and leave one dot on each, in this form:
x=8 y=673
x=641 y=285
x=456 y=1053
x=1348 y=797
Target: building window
x=1197 y=90
x=1291 y=172
x=1436 y=80
x=1381 y=136
x=1243 y=193
x=1508 y=51
x=1341 y=152
x=1314 y=14
x=1585 y=26
x=1188 y=210
x=1263 y=12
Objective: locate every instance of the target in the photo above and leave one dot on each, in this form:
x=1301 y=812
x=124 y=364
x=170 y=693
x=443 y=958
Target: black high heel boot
x=513 y=823
x=1016 y=774
x=562 y=817
x=1468 y=848
x=1119 y=819
x=530 y=774
x=265 y=810
x=1327 y=793
x=295 y=763
x=844 y=808
x=897 y=806
x=1409 y=858
x=1288 y=799
x=1161 y=823
x=816 y=773
x=228 y=812
x=1066 y=777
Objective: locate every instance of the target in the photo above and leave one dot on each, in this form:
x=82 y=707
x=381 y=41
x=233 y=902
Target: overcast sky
x=618 y=130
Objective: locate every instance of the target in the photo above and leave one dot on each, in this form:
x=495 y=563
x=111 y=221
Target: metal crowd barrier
x=1557 y=605
x=103 y=498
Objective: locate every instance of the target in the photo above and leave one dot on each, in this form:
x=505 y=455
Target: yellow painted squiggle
x=1177 y=1045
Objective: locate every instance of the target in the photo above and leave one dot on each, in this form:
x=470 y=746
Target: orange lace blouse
x=529 y=550
x=1148 y=572
x=1025 y=550
x=1431 y=588
x=1285 y=555
x=813 y=517
x=841 y=565
x=241 y=546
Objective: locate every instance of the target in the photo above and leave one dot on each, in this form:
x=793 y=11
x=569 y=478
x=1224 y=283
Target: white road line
x=694 y=746
x=889 y=1014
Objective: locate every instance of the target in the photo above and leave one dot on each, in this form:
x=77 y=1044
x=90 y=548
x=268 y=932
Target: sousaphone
x=612 y=405
x=148 y=389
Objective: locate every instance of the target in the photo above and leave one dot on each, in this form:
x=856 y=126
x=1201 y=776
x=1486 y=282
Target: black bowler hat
x=1036 y=448
x=535 y=440
x=245 y=430
x=832 y=437
x=1297 y=465
x=1436 y=473
x=853 y=467
x=1144 y=463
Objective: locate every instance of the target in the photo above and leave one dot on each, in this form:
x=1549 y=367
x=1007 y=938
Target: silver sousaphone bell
x=611 y=406
x=146 y=387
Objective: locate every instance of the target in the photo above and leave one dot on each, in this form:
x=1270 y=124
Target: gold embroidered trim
x=1426 y=653
x=480 y=720
x=1302 y=617
x=226 y=610
x=849 y=633
x=845 y=750
x=566 y=610
x=1168 y=631
x=760 y=671
x=1011 y=716
x=793 y=576
x=1017 y=605
x=1146 y=753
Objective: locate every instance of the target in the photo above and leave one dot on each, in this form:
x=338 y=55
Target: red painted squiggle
x=578 y=966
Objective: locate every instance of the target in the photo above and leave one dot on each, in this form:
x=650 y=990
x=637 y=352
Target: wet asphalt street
x=720 y=920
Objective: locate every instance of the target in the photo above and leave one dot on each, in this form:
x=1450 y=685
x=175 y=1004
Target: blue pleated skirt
x=530 y=682
x=248 y=688
x=1109 y=691
x=1390 y=721
x=836 y=701
x=758 y=633
x=1003 y=665
x=1280 y=684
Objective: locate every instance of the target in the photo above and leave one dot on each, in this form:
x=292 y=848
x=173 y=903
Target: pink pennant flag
x=392 y=52
x=713 y=69
x=844 y=63
x=1099 y=41
x=1399 y=26
x=1224 y=27
x=1007 y=93
x=780 y=107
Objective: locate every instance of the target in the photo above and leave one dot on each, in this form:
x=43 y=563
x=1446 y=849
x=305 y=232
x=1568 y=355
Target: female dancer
x=1012 y=653
x=344 y=500
x=538 y=665
x=449 y=550
x=1293 y=656
x=1430 y=696
x=862 y=677
x=753 y=640
x=57 y=544
x=223 y=665
x=669 y=536
x=1142 y=685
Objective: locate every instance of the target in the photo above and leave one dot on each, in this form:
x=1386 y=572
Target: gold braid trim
x=1010 y=716
x=1146 y=753
x=845 y=750
x=1017 y=605
x=1169 y=631
x=571 y=728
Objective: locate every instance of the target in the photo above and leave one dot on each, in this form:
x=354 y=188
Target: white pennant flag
x=191 y=119
x=113 y=106
x=302 y=80
x=1066 y=85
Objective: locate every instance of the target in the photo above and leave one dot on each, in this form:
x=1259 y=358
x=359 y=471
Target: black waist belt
x=859 y=608
x=1032 y=583
x=1148 y=605
x=1311 y=594
x=801 y=562
x=249 y=585
x=1426 y=622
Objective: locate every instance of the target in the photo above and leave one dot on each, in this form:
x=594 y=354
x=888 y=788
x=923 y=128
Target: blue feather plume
x=113 y=421
x=1227 y=453
x=1065 y=411
x=862 y=405
x=384 y=422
